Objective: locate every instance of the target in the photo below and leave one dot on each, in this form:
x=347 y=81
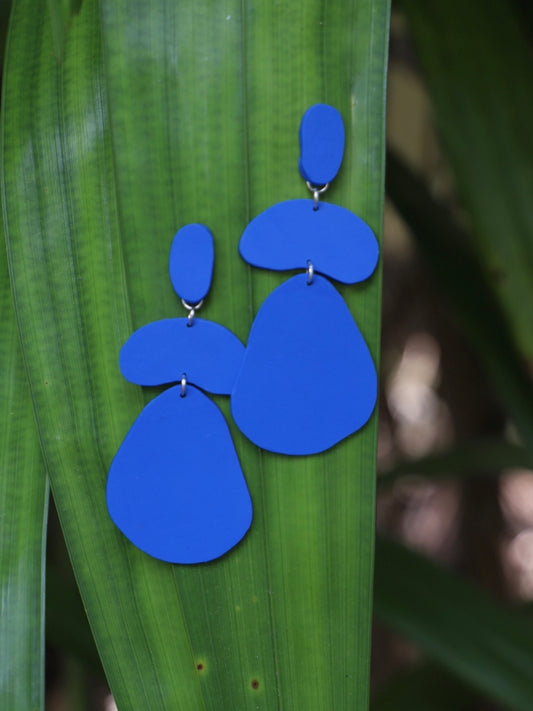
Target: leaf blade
x=24 y=515
x=137 y=156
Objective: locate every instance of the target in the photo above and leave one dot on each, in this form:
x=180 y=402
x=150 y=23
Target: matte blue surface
x=338 y=243
x=192 y=257
x=176 y=488
x=321 y=143
x=161 y=352
x=308 y=379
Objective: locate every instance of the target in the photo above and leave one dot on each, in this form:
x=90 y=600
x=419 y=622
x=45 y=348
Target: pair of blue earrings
x=305 y=381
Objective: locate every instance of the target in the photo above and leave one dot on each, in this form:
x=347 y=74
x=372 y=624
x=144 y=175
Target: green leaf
x=477 y=61
x=483 y=643
x=23 y=517
x=61 y=12
x=164 y=113
x=479 y=457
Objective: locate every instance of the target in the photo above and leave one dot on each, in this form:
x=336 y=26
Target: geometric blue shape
x=338 y=243
x=321 y=143
x=160 y=352
x=192 y=257
x=307 y=379
x=176 y=487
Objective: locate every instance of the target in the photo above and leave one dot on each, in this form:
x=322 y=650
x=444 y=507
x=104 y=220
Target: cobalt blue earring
x=176 y=487
x=307 y=379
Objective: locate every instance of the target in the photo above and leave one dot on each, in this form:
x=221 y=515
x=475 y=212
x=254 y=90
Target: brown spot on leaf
x=255 y=684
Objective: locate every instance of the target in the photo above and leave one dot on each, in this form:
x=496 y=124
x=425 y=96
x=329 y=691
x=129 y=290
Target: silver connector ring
x=317 y=191
x=193 y=308
x=310 y=272
x=183 y=385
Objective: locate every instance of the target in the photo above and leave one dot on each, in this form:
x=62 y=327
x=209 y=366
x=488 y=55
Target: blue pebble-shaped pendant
x=176 y=488
x=308 y=379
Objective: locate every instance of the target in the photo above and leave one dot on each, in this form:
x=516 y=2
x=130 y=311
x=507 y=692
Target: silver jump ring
x=193 y=308
x=310 y=272
x=183 y=385
x=317 y=192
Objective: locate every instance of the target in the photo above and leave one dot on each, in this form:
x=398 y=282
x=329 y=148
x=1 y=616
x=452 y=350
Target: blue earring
x=176 y=487
x=307 y=379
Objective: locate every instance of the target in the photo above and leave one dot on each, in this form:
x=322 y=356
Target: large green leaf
x=23 y=517
x=23 y=514
x=481 y=642
x=163 y=113
x=478 y=65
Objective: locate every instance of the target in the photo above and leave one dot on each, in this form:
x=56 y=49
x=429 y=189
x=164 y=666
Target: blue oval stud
x=192 y=257
x=322 y=140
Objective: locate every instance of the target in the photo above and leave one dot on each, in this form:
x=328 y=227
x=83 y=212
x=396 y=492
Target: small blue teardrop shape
x=160 y=352
x=192 y=257
x=322 y=140
x=176 y=487
x=338 y=242
x=308 y=379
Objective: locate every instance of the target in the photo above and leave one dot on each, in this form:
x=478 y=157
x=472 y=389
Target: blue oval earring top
x=192 y=257
x=321 y=144
x=176 y=487
x=308 y=380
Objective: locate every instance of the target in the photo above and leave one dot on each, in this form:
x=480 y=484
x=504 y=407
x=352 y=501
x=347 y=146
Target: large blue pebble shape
x=308 y=379
x=176 y=487
x=192 y=257
x=322 y=140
